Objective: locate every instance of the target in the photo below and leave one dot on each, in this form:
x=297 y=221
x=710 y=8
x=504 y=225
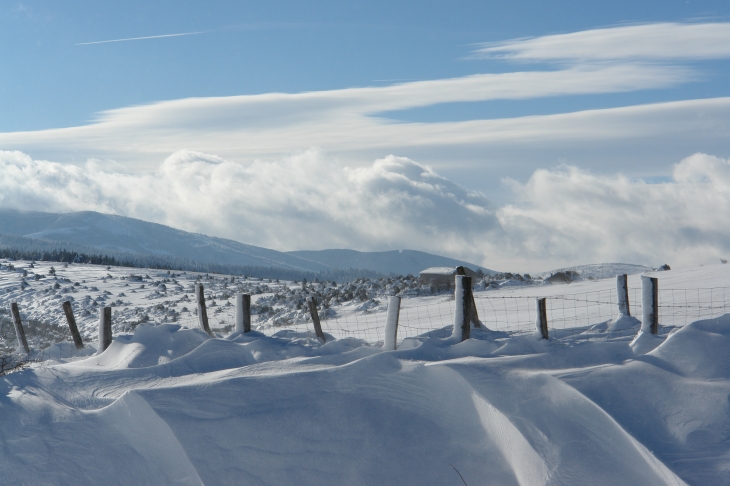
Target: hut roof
x=445 y=271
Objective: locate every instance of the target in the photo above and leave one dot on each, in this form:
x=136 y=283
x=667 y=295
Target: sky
x=519 y=135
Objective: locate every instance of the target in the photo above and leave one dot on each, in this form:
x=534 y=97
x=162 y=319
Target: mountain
x=401 y=262
x=112 y=233
x=129 y=235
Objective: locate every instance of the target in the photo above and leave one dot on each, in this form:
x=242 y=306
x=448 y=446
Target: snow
x=168 y=404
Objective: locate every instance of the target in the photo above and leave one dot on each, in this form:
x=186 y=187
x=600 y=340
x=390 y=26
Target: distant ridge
x=127 y=237
x=22 y=248
x=401 y=262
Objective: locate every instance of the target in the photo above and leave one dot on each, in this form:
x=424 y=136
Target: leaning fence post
x=243 y=313
x=72 y=324
x=541 y=321
x=202 y=312
x=391 y=324
x=622 y=291
x=315 y=317
x=105 y=328
x=19 y=332
x=650 y=304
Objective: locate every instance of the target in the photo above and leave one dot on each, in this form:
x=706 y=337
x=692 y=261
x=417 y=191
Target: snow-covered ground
x=169 y=405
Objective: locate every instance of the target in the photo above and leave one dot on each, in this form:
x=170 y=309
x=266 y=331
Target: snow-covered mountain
x=119 y=233
x=401 y=262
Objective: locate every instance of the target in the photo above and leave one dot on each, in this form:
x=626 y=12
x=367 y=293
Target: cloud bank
x=354 y=124
x=657 y=42
x=563 y=216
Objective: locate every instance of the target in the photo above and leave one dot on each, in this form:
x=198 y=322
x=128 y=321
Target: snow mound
x=148 y=346
x=168 y=405
x=698 y=350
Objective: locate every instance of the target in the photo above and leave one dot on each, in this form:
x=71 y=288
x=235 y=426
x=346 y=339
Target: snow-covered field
x=167 y=404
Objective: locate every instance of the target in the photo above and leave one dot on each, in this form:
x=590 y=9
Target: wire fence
x=580 y=316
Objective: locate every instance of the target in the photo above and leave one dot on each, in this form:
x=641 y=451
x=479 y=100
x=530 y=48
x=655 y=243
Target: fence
x=579 y=316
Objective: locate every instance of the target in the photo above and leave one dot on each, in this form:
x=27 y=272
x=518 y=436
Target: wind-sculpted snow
x=287 y=409
x=166 y=404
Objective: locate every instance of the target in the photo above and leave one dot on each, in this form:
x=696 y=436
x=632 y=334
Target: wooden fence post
x=72 y=325
x=622 y=291
x=474 y=314
x=650 y=304
x=467 y=303
x=390 y=342
x=19 y=332
x=243 y=313
x=462 y=311
x=315 y=317
x=202 y=312
x=105 y=328
x=541 y=322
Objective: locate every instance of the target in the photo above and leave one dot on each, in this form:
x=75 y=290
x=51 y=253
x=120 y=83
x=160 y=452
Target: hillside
x=128 y=235
x=401 y=262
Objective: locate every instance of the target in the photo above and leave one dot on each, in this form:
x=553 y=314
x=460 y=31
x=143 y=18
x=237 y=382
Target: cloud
x=354 y=124
x=562 y=216
x=243 y=128
x=302 y=201
x=658 y=41
x=568 y=214
x=266 y=186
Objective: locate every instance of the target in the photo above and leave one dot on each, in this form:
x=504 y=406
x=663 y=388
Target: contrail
x=138 y=38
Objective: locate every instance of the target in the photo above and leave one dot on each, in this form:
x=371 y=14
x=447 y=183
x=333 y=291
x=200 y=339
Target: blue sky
x=524 y=133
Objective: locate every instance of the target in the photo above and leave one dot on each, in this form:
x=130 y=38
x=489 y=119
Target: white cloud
x=568 y=214
x=352 y=124
x=303 y=201
x=267 y=187
x=563 y=216
x=243 y=128
x=658 y=41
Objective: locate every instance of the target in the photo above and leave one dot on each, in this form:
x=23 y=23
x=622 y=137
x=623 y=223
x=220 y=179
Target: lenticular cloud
x=560 y=216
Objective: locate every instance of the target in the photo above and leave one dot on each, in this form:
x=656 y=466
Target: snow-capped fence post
x=243 y=313
x=315 y=317
x=105 y=328
x=541 y=320
x=390 y=342
x=202 y=311
x=19 y=332
x=462 y=309
x=72 y=325
x=622 y=291
x=650 y=304
x=474 y=314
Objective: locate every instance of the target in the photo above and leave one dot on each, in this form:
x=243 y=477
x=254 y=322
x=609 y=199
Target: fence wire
x=585 y=316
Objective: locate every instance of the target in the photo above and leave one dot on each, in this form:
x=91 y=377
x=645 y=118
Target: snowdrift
x=168 y=405
x=596 y=404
